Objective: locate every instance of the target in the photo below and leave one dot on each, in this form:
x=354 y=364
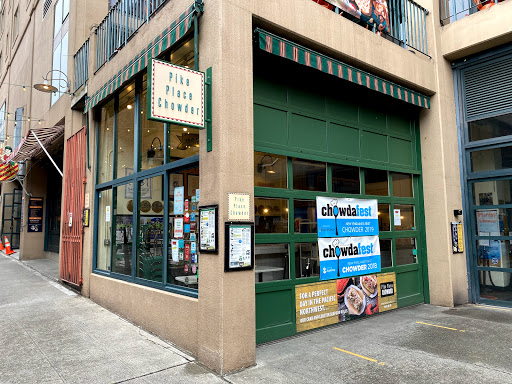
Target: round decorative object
x=145 y=206
x=129 y=205
x=157 y=206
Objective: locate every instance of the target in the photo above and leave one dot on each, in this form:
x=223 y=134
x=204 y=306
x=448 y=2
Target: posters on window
x=179 y=200
x=334 y=301
x=488 y=224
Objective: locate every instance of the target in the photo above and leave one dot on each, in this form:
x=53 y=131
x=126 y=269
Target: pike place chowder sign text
x=175 y=94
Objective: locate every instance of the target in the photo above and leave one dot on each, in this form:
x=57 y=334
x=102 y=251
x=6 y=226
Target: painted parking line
x=491 y=307
x=440 y=326
x=360 y=356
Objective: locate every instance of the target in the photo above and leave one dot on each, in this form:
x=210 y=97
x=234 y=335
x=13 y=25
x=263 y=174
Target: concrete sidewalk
x=48 y=334
x=421 y=344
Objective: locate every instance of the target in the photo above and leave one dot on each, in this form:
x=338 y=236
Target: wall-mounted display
x=239 y=251
x=35 y=214
x=208 y=225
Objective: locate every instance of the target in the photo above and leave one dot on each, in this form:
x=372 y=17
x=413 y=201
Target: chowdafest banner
x=348 y=241
x=346 y=217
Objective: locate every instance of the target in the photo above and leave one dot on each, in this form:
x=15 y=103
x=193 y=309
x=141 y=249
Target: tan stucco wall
x=171 y=316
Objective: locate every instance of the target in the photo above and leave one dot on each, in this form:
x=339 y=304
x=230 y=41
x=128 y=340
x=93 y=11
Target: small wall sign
x=457 y=239
x=175 y=94
x=239 y=206
x=35 y=214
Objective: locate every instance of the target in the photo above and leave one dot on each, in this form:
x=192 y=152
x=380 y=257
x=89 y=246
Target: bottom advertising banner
x=334 y=301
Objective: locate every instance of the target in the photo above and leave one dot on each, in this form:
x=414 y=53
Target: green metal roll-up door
x=302 y=114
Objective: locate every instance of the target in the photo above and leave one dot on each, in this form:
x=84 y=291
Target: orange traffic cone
x=1 y=245
x=8 y=250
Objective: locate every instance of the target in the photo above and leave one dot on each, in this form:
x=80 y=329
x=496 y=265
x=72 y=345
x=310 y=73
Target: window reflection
x=345 y=179
x=104 y=246
x=304 y=216
x=272 y=262
x=123 y=218
x=271 y=215
x=307 y=262
x=184 y=142
x=386 y=256
x=406 y=215
x=384 y=220
x=402 y=184
x=493 y=192
x=152 y=140
x=491 y=127
x=376 y=182
x=106 y=143
x=125 y=131
x=309 y=175
x=491 y=159
x=406 y=251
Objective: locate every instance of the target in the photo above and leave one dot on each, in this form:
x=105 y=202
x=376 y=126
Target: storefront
x=320 y=136
x=485 y=135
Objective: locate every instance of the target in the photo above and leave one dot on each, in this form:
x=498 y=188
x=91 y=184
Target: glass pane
x=271 y=215
x=385 y=253
x=406 y=213
x=58 y=17
x=184 y=55
x=152 y=141
x=402 y=184
x=106 y=143
x=123 y=218
x=184 y=142
x=272 y=262
x=495 y=285
x=493 y=253
x=345 y=179
x=491 y=127
x=491 y=159
x=492 y=192
x=309 y=175
x=182 y=266
x=125 y=131
x=307 y=262
x=493 y=222
x=376 y=182
x=406 y=251
x=383 y=213
x=150 y=229
x=269 y=170
x=304 y=216
x=104 y=213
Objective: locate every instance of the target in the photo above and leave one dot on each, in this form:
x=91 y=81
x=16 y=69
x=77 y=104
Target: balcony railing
x=82 y=65
x=120 y=24
x=401 y=21
x=452 y=10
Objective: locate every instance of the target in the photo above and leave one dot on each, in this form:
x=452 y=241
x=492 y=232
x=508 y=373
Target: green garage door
x=315 y=136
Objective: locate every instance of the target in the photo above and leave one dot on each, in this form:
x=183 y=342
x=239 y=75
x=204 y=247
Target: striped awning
x=289 y=50
x=170 y=35
x=29 y=147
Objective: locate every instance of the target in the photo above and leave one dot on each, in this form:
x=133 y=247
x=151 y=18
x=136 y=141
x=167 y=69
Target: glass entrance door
x=489 y=174
x=11 y=218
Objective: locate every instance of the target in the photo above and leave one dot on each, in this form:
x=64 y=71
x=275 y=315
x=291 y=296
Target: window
x=141 y=220
x=376 y=182
x=60 y=48
x=271 y=215
x=2 y=120
x=46 y=7
x=15 y=24
x=345 y=179
x=17 y=128
x=269 y=170
x=309 y=175
x=2 y=21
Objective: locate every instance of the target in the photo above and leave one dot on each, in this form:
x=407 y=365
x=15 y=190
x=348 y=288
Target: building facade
x=304 y=100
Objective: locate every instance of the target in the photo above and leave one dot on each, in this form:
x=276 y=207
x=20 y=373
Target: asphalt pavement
x=49 y=334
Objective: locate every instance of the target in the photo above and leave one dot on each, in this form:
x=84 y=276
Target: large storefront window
x=144 y=232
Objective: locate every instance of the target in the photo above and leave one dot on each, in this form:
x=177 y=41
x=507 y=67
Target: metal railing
x=82 y=65
x=408 y=24
x=452 y=10
x=120 y=24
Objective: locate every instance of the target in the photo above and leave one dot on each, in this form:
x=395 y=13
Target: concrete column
x=226 y=319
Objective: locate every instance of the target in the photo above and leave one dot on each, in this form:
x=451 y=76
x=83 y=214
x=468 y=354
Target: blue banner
x=346 y=217
x=348 y=256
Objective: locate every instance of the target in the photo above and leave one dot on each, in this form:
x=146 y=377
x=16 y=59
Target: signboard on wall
x=35 y=214
x=348 y=256
x=335 y=301
x=346 y=217
x=175 y=94
x=239 y=206
x=208 y=229
x=239 y=253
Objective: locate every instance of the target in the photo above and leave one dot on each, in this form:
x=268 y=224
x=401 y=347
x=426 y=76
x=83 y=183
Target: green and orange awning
x=279 y=46
x=169 y=36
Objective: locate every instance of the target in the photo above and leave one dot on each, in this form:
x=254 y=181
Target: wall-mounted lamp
x=49 y=88
x=151 y=151
x=262 y=165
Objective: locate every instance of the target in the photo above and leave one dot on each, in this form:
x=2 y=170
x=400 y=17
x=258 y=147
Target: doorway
x=11 y=217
